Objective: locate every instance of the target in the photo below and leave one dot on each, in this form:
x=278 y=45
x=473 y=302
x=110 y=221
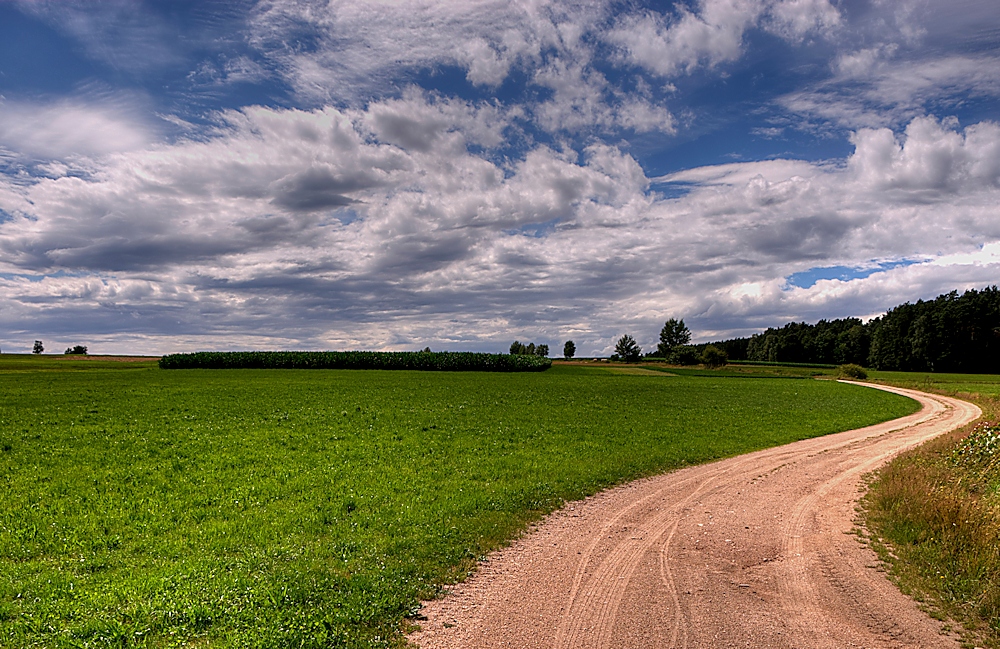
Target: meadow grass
x=934 y=513
x=315 y=508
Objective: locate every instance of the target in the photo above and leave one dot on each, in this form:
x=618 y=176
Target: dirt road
x=753 y=551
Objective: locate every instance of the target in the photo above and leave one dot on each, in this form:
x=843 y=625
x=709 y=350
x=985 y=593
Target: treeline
x=951 y=333
x=425 y=360
x=519 y=348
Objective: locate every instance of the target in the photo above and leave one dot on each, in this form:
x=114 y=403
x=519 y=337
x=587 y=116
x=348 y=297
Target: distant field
x=314 y=508
x=986 y=385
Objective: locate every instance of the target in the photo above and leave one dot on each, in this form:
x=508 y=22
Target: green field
x=314 y=508
x=959 y=385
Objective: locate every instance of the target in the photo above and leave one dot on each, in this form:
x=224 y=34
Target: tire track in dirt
x=753 y=551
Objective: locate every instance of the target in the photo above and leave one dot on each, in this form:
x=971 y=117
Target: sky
x=298 y=174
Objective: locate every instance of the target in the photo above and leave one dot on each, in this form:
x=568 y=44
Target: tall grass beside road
x=934 y=513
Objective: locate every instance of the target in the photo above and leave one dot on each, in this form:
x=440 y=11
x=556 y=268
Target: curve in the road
x=755 y=551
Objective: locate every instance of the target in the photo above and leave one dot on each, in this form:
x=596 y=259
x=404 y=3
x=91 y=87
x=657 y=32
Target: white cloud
x=358 y=49
x=930 y=158
x=714 y=32
x=668 y=48
x=582 y=98
x=796 y=19
x=68 y=128
x=876 y=87
x=358 y=44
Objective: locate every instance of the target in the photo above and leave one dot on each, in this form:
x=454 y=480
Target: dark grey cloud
x=318 y=189
x=801 y=238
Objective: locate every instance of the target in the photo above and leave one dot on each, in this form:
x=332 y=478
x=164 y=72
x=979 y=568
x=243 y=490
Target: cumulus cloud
x=713 y=33
x=583 y=98
x=929 y=158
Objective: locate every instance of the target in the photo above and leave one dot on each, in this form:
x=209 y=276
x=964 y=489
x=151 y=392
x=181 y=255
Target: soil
x=760 y=550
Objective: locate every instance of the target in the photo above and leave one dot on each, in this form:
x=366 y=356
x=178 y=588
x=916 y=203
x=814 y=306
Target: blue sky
x=391 y=175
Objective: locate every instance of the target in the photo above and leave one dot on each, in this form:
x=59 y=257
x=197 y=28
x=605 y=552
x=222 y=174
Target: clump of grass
x=852 y=371
x=935 y=518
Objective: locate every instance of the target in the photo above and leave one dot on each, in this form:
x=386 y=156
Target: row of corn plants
x=359 y=360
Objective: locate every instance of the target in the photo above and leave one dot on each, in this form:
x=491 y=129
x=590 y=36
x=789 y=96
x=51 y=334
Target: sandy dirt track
x=754 y=551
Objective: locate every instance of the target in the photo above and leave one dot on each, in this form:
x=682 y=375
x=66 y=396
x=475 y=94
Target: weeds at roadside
x=934 y=519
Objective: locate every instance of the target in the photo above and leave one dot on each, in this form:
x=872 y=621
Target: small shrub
x=852 y=371
x=684 y=355
x=714 y=357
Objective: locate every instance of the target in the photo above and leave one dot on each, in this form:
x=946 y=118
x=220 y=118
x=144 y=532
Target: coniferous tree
x=673 y=335
x=627 y=350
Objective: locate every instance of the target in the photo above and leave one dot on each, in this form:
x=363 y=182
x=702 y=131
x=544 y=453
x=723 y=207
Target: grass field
x=288 y=508
x=968 y=385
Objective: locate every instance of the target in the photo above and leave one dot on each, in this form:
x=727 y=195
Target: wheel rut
x=753 y=551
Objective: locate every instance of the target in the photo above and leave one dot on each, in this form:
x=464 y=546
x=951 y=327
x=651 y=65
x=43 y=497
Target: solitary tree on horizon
x=627 y=349
x=569 y=349
x=673 y=335
x=38 y=347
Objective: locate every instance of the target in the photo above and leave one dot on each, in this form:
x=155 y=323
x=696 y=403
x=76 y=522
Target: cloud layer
x=379 y=211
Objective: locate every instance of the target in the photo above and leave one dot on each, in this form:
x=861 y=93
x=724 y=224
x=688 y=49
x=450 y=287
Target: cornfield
x=358 y=360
